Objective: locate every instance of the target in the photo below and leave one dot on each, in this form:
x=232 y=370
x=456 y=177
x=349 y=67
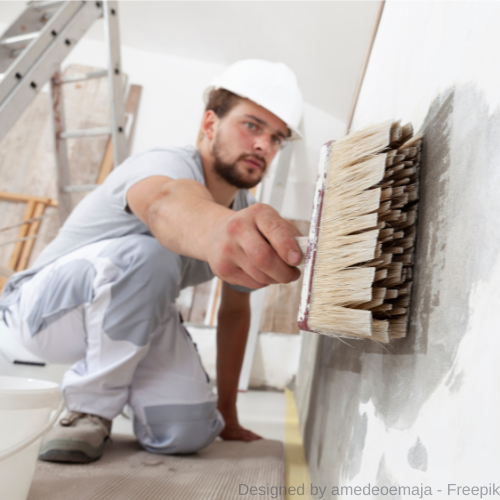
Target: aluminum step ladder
x=31 y=52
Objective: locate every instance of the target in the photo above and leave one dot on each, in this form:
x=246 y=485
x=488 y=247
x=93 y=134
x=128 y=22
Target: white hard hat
x=269 y=84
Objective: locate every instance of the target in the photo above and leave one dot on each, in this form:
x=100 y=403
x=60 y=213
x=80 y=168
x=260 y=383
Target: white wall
x=425 y=410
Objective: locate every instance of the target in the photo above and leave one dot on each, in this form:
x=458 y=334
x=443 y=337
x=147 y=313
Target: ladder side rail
x=60 y=147
x=47 y=64
x=37 y=46
x=116 y=91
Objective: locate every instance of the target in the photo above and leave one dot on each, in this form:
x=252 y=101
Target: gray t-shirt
x=103 y=213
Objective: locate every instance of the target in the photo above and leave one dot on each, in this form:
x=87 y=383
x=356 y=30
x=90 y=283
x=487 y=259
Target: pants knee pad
x=167 y=432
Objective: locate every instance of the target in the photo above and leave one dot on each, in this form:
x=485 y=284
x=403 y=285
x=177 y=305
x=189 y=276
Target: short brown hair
x=221 y=102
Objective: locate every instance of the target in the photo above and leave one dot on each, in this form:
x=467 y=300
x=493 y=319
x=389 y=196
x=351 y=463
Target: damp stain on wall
x=417 y=456
x=458 y=203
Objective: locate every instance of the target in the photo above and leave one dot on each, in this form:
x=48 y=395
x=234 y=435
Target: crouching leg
x=174 y=405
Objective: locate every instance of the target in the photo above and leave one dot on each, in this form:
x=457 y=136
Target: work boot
x=78 y=438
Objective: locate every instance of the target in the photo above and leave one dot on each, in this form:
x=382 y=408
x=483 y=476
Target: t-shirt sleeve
x=167 y=163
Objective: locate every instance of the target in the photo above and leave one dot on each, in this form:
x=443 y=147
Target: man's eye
x=251 y=125
x=277 y=140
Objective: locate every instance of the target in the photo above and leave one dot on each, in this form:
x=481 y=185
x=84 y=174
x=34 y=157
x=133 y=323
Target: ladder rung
x=86 y=132
x=79 y=189
x=19 y=38
x=83 y=76
x=47 y=5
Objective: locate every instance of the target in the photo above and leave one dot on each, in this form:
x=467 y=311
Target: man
x=102 y=294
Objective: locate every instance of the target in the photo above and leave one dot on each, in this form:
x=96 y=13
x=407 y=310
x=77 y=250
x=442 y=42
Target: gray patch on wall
x=357 y=445
x=417 y=456
x=458 y=202
x=385 y=478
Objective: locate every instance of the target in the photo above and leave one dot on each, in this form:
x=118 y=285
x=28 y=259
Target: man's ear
x=209 y=123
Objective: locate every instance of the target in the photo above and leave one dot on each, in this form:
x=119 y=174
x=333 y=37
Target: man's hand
x=234 y=432
x=255 y=247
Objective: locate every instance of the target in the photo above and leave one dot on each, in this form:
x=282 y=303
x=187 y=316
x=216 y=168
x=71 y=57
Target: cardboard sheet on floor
x=126 y=471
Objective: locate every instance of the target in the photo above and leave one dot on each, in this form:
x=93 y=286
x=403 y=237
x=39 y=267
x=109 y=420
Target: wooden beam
x=5 y=195
x=198 y=311
x=215 y=304
x=23 y=230
x=107 y=162
x=131 y=110
x=32 y=231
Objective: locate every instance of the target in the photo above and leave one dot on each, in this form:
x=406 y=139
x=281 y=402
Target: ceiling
x=323 y=42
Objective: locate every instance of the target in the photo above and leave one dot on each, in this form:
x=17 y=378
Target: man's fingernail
x=293 y=257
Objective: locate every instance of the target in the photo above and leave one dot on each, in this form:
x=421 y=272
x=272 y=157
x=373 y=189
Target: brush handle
x=302 y=241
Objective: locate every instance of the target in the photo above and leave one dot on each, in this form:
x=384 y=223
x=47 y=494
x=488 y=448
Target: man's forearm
x=232 y=332
x=183 y=217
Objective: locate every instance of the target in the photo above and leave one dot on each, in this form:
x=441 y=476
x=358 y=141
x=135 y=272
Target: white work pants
x=109 y=308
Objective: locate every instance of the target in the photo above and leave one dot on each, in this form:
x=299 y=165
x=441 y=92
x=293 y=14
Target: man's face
x=245 y=142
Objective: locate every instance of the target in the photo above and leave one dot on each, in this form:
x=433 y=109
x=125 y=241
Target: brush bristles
x=362 y=273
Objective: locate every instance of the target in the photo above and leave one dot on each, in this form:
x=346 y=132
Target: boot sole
x=59 y=450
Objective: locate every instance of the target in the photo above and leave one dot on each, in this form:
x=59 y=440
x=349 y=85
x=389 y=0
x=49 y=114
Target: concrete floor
x=261 y=411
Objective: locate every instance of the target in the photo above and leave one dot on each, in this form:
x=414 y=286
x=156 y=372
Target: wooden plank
x=21 y=197
x=282 y=301
x=23 y=231
x=131 y=110
x=285 y=319
x=198 y=310
x=32 y=231
x=215 y=305
x=271 y=304
x=107 y=163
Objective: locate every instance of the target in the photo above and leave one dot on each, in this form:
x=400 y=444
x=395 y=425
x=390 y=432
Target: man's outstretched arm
x=253 y=247
x=232 y=331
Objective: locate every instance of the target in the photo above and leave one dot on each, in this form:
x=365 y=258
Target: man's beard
x=229 y=171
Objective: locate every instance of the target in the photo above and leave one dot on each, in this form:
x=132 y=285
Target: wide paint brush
x=359 y=253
